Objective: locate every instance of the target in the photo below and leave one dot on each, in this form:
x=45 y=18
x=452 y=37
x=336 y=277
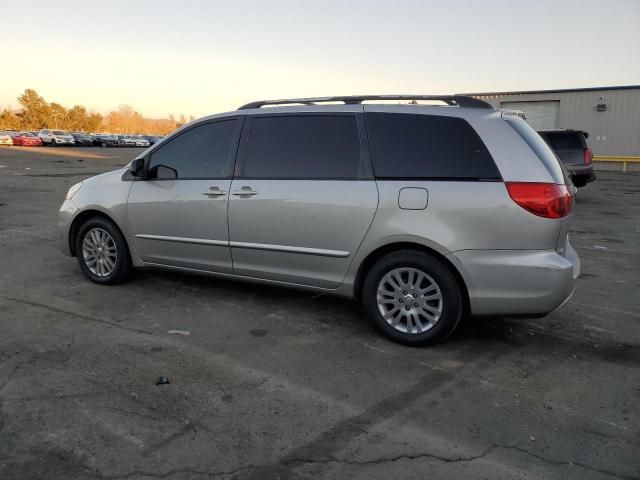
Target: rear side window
x=540 y=148
x=205 y=151
x=561 y=140
x=302 y=147
x=427 y=146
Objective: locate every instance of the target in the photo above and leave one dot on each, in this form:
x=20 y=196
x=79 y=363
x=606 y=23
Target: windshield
x=58 y=132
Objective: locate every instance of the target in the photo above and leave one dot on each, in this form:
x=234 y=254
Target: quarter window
x=302 y=147
x=205 y=151
x=427 y=146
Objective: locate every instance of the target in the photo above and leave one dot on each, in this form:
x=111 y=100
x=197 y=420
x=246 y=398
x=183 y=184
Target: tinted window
x=427 y=146
x=205 y=151
x=564 y=140
x=540 y=148
x=304 y=146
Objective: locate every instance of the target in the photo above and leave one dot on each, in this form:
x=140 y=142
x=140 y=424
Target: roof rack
x=453 y=100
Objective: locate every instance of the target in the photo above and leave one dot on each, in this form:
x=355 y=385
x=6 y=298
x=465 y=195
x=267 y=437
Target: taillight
x=587 y=156
x=548 y=200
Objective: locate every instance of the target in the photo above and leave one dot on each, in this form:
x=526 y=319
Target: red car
x=26 y=139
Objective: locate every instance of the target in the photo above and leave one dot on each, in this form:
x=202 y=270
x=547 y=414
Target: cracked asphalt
x=279 y=384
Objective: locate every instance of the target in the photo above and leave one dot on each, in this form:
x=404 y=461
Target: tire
x=105 y=270
x=420 y=319
x=104 y=145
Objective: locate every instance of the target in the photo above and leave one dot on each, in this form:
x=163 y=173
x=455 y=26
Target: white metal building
x=611 y=115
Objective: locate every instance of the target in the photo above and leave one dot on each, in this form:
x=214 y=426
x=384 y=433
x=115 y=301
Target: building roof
x=561 y=90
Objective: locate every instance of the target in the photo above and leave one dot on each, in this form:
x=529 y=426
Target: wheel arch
x=81 y=218
x=384 y=250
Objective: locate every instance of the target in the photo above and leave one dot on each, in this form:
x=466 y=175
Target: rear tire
x=102 y=252
x=417 y=293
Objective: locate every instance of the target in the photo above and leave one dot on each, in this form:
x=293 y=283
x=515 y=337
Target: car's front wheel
x=102 y=251
x=413 y=298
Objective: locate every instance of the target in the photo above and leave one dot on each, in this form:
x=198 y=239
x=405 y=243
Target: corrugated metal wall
x=615 y=131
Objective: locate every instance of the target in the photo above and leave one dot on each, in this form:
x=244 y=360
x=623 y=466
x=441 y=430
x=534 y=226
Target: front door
x=178 y=213
x=302 y=202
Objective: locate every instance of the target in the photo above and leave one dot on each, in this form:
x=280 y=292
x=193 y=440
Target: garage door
x=540 y=115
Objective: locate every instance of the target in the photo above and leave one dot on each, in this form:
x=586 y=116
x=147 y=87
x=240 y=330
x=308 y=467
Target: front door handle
x=245 y=191
x=214 y=192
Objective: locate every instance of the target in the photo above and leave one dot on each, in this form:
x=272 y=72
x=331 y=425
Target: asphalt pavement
x=271 y=383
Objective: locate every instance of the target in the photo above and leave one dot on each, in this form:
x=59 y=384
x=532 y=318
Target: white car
x=56 y=137
x=141 y=142
x=126 y=141
x=5 y=139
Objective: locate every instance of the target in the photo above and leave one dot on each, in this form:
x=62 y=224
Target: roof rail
x=453 y=100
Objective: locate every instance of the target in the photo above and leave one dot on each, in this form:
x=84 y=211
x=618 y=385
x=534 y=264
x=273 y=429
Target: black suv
x=572 y=149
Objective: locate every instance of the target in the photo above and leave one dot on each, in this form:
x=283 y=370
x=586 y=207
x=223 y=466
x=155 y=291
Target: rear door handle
x=248 y=191
x=214 y=192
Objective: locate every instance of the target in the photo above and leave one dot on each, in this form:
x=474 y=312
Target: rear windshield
x=540 y=148
x=564 y=140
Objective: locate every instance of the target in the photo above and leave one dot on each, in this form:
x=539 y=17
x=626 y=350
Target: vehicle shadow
x=326 y=308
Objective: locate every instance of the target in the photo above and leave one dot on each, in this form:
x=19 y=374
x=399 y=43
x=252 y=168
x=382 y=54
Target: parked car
x=55 y=137
x=152 y=139
x=140 y=141
x=572 y=149
x=82 y=139
x=126 y=141
x=102 y=140
x=5 y=139
x=426 y=214
x=26 y=139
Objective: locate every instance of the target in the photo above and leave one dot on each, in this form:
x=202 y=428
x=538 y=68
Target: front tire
x=412 y=298
x=102 y=252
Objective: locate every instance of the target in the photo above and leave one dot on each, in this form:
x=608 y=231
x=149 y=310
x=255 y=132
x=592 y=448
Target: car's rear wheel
x=412 y=298
x=102 y=251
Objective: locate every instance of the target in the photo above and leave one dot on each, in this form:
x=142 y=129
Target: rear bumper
x=517 y=282
x=581 y=175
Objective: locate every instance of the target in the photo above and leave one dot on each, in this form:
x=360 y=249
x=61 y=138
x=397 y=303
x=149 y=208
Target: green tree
x=36 y=112
x=76 y=118
x=58 y=116
x=92 y=122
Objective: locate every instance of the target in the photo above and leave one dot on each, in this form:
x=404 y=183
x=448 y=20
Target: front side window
x=303 y=147
x=427 y=146
x=204 y=151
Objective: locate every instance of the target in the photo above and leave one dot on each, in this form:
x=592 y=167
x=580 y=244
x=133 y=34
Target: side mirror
x=136 y=168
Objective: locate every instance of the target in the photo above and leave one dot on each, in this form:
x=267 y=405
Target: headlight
x=73 y=190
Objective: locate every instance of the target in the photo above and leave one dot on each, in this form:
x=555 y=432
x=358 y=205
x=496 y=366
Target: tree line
x=36 y=113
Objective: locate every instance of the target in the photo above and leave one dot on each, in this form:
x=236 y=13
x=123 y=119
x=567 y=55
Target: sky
x=201 y=57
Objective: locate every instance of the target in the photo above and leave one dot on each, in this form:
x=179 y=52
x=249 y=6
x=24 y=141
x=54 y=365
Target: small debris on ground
x=180 y=332
x=162 y=381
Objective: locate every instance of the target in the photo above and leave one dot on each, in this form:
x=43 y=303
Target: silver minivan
x=426 y=213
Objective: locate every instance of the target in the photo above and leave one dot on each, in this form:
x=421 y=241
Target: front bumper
x=66 y=216
x=518 y=282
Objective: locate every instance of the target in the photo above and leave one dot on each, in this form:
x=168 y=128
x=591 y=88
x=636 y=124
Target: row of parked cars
x=55 y=138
